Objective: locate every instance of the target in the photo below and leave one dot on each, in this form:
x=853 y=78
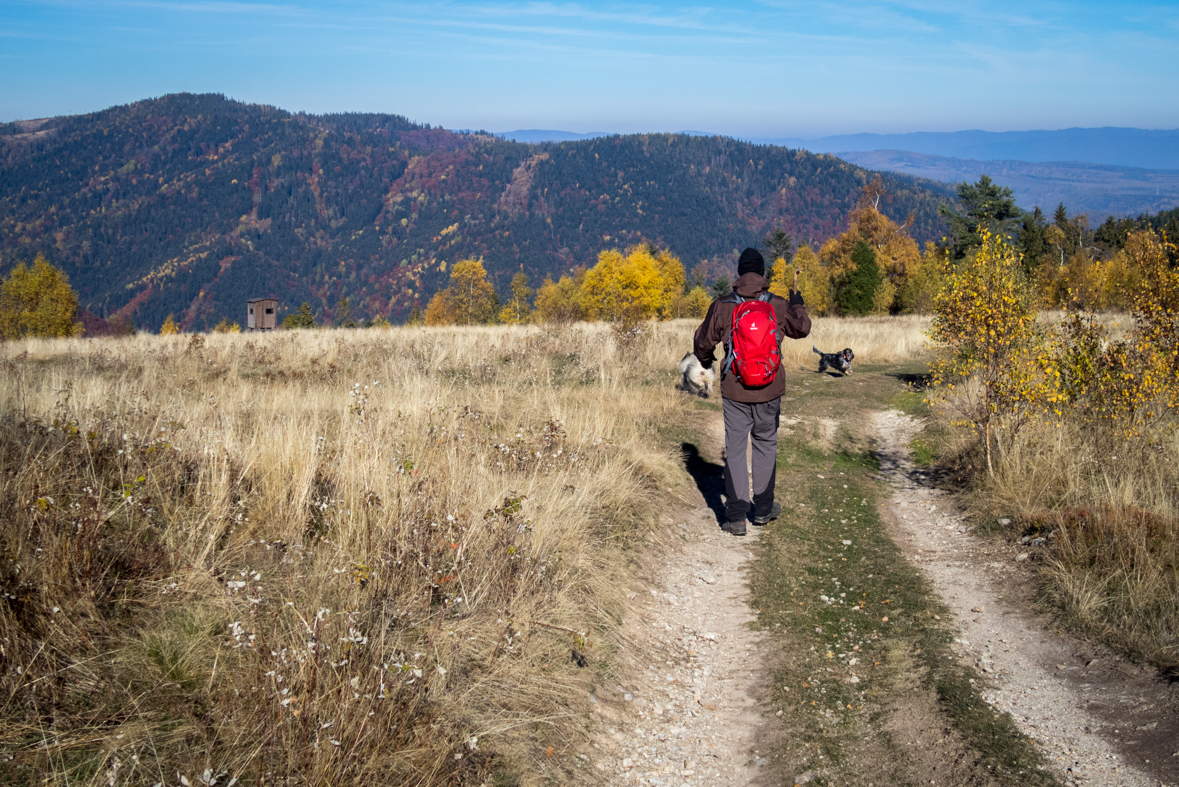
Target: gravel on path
x=1045 y=679
x=687 y=709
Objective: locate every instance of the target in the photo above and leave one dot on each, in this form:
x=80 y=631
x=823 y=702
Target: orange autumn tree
x=897 y=253
x=470 y=298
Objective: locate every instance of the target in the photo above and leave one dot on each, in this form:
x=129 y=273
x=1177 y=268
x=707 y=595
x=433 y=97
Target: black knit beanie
x=751 y=261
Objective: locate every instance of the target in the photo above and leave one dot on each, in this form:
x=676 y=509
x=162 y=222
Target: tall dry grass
x=1106 y=500
x=1109 y=509
x=318 y=557
x=328 y=556
x=872 y=339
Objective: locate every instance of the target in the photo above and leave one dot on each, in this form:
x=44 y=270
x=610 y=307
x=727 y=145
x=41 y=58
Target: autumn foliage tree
x=226 y=326
x=990 y=364
x=38 y=301
x=470 y=298
x=814 y=281
x=897 y=254
x=633 y=287
x=695 y=303
x=516 y=310
x=559 y=302
x=919 y=290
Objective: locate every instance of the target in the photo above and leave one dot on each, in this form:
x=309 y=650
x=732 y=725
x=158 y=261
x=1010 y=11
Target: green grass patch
x=923 y=452
x=864 y=638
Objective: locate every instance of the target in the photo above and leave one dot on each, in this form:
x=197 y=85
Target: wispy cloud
x=884 y=61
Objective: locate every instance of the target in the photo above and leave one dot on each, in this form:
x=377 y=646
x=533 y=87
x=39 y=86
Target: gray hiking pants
x=745 y=424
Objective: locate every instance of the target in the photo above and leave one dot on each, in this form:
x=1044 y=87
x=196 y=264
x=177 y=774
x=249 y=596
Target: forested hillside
x=189 y=204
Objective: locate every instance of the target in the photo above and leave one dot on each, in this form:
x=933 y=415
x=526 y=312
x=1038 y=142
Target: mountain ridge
x=1110 y=145
x=188 y=204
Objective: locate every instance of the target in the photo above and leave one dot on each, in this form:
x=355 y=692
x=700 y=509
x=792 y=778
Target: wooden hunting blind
x=262 y=314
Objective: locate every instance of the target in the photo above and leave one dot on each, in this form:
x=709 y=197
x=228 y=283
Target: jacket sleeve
x=793 y=320
x=708 y=335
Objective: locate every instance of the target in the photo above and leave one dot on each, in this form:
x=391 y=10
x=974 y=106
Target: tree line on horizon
x=874 y=266
x=184 y=204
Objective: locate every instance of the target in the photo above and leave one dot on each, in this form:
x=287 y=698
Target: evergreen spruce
x=857 y=295
x=303 y=318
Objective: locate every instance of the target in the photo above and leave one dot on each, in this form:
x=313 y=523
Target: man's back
x=793 y=322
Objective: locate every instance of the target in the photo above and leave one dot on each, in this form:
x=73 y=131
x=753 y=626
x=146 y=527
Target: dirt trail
x=685 y=708
x=1098 y=719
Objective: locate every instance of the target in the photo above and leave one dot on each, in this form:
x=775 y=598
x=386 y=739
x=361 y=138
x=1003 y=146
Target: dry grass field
x=1104 y=496
x=328 y=556
x=317 y=557
x=1108 y=508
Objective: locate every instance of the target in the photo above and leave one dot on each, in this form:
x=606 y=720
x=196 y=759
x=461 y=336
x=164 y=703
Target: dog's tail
x=816 y=349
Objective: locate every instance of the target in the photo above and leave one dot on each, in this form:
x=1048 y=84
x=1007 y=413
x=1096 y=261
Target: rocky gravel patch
x=687 y=706
x=1098 y=719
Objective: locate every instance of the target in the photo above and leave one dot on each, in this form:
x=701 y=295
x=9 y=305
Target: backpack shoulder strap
x=730 y=354
x=765 y=298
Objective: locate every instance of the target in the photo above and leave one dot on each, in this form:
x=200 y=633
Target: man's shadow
x=709 y=478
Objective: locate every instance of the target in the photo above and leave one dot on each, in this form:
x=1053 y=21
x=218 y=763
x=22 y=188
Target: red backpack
x=754 y=352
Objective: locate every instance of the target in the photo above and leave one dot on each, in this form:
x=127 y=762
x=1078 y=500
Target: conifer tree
x=344 y=314
x=303 y=318
x=778 y=245
x=987 y=207
x=858 y=294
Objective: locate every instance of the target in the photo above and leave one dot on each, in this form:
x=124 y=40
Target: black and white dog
x=840 y=361
x=694 y=378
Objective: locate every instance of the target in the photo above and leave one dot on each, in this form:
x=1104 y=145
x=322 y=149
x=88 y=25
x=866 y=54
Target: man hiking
x=751 y=322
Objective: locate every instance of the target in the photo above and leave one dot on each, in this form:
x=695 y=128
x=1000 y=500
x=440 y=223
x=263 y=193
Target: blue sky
x=751 y=69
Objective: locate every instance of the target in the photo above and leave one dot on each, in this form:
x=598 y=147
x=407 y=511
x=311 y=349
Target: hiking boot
x=765 y=519
x=736 y=527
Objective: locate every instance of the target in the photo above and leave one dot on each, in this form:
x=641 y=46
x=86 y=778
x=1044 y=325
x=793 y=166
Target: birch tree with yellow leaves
x=630 y=288
x=992 y=368
x=38 y=301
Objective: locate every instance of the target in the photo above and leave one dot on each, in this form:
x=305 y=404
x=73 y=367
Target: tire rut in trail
x=686 y=704
x=1098 y=721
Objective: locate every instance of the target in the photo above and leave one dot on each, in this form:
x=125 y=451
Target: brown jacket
x=793 y=322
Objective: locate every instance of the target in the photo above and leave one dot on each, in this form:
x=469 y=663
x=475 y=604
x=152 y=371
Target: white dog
x=695 y=378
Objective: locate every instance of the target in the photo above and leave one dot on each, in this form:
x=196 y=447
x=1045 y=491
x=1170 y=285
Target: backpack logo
x=755 y=354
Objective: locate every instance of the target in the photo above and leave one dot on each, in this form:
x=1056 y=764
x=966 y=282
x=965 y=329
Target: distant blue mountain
x=1124 y=147
x=1119 y=147
x=535 y=135
x=1098 y=190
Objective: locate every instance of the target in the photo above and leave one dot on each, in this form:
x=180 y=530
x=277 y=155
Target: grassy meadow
x=332 y=557
x=1107 y=508
x=328 y=555
x=320 y=556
